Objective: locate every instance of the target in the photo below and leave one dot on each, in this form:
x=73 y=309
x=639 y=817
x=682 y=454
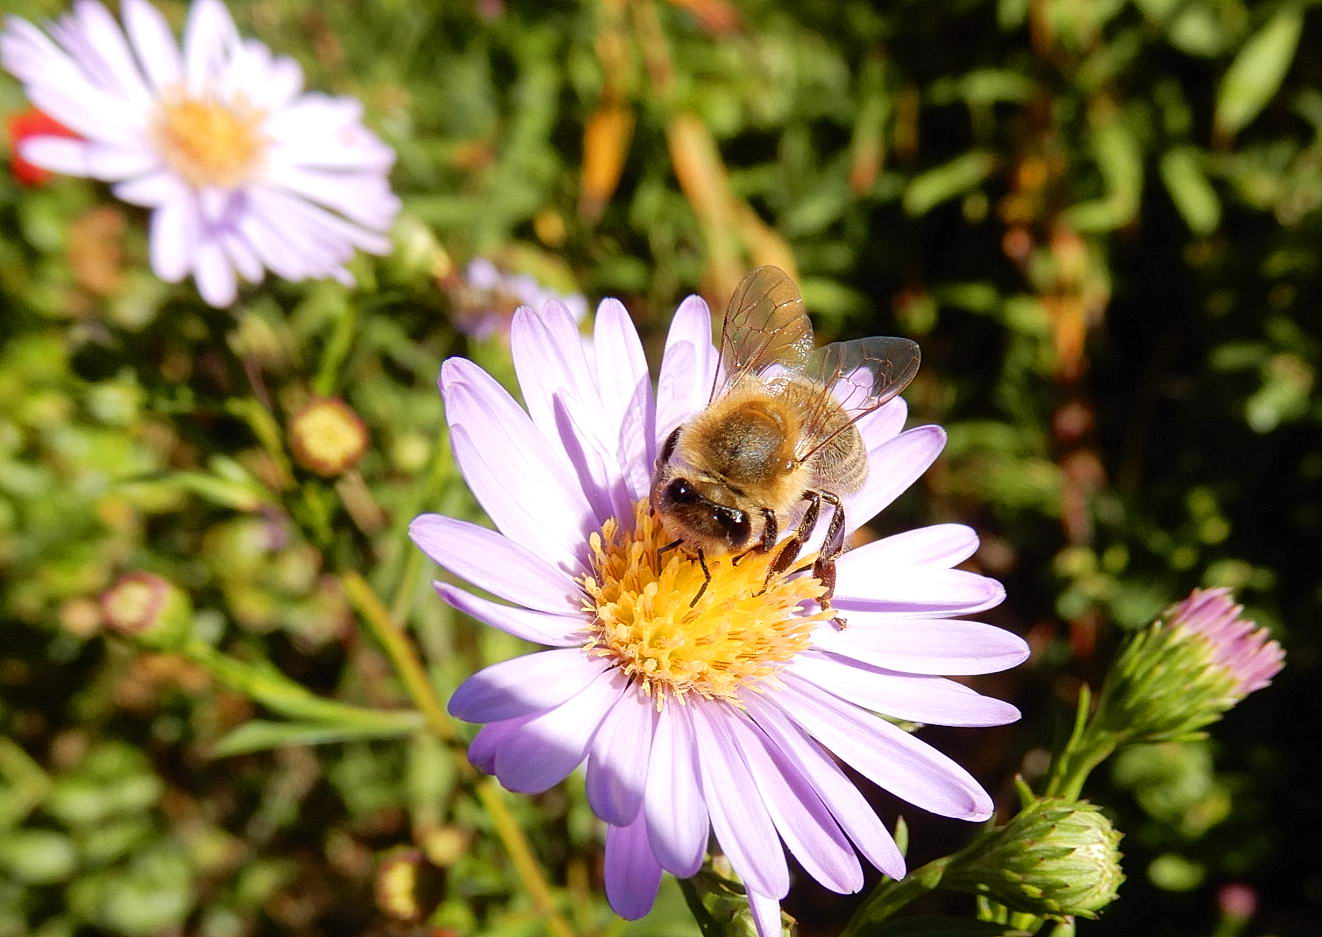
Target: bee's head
x=694 y=512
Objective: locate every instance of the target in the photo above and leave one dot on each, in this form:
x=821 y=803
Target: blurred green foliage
x=1099 y=218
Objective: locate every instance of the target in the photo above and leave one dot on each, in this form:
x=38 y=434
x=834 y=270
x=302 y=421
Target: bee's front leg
x=794 y=543
x=702 y=561
x=770 y=534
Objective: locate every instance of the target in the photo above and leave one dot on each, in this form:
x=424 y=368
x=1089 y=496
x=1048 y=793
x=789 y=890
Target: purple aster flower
x=242 y=170
x=727 y=715
x=488 y=296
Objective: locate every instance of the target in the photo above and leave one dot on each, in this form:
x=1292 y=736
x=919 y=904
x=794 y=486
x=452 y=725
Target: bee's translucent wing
x=765 y=325
x=854 y=378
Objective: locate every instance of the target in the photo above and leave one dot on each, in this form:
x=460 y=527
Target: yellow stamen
x=209 y=143
x=735 y=635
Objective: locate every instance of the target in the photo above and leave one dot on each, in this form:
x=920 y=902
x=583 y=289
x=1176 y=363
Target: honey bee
x=778 y=436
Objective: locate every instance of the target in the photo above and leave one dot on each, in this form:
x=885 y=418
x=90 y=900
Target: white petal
x=923 y=646
x=157 y=51
x=214 y=274
x=175 y=232
x=209 y=38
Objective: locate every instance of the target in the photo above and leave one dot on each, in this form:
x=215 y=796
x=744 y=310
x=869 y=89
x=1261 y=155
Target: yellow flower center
x=737 y=633
x=208 y=143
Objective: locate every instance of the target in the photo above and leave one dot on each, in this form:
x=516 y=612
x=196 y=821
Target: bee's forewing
x=765 y=324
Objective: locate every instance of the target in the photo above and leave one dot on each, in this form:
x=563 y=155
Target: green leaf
x=1120 y=160
x=259 y=734
x=1194 y=198
x=1256 y=74
x=941 y=183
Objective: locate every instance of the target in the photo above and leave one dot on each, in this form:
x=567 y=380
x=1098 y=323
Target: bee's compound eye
x=680 y=492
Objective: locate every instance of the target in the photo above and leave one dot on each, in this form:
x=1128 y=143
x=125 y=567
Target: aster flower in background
x=242 y=170
x=721 y=715
x=486 y=298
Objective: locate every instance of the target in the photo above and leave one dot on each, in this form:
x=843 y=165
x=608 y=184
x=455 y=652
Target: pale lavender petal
x=105 y=40
x=524 y=505
x=360 y=197
x=885 y=754
x=542 y=752
x=87 y=158
x=685 y=382
x=599 y=473
x=803 y=822
x=742 y=824
x=676 y=815
x=911 y=697
x=883 y=424
x=522 y=685
x=327 y=228
x=943 y=545
x=805 y=758
x=626 y=393
x=482 y=750
x=495 y=563
x=892 y=468
x=548 y=357
x=89 y=113
x=157 y=51
x=672 y=394
x=523 y=484
x=924 y=646
x=214 y=274
x=209 y=37
x=911 y=591
x=617 y=767
x=534 y=626
x=766 y=914
x=149 y=191
x=242 y=256
x=632 y=874
x=175 y=232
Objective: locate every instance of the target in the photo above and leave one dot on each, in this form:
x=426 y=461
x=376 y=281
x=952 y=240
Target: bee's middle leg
x=823 y=568
x=790 y=551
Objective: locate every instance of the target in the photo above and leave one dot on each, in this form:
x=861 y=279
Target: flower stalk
x=405 y=661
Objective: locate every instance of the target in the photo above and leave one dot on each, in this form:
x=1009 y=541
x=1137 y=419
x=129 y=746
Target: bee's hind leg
x=789 y=552
x=823 y=568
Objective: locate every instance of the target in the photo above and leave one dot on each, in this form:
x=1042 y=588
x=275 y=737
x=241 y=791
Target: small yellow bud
x=327 y=437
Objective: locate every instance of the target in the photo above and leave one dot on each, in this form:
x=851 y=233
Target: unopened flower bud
x=327 y=437
x=149 y=609
x=1056 y=858
x=1186 y=669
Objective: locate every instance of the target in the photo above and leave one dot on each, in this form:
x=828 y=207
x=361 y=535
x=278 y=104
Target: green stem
x=894 y=894
x=401 y=654
x=706 y=923
x=409 y=668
